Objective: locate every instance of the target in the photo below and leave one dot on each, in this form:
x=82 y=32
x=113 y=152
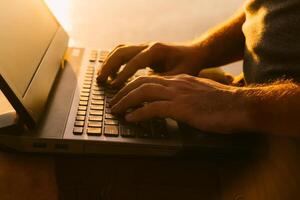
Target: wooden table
x=272 y=173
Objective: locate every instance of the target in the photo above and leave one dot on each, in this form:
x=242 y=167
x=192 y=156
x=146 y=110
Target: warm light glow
x=61 y=10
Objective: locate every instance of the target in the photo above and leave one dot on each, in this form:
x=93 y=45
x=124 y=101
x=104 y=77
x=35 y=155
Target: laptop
x=58 y=107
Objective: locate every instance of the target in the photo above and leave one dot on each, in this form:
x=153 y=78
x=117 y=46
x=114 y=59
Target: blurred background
x=107 y=23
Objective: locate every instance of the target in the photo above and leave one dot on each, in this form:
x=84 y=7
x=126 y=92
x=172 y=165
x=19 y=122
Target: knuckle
x=119 y=50
x=141 y=79
x=147 y=88
x=173 y=91
x=120 y=45
x=157 y=46
x=185 y=77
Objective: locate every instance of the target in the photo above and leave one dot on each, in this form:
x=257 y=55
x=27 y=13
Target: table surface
x=273 y=173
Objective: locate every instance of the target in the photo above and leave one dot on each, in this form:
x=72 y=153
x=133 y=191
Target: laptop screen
x=27 y=32
x=24 y=39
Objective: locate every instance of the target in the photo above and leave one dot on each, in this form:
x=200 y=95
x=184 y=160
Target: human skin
x=201 y=103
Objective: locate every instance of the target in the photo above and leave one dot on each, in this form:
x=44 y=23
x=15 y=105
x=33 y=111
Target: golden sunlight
x=61 y=10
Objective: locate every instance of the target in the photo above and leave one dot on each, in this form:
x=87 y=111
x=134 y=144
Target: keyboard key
x=85 y=90
x=98 y=92
x=109 y=116
x=83 y=98
x=84 y=108
x=88 y=79
x=95 y=124
x=97 y=107
x=111 y=131
x=88 y=82
x=108 y=110
x=77 y=130
x=98 y=97
x=159 y=129
x=103 y=55
x=87 y=86
x=95 y=118
x=127 y=131
x=83 y=103
x=89 y=75
x=96 y=112
x=98 y=87
x=145 y=134
x=94 y=131
x=91 y=66
x=80 y=118
x=90 y=72
x=81 y=112
x=111 y=122
x=145 y=129
x=97 y=102
x=84 y=94
x=93 y=58
x=79 y=123
x=108 y=100
x=110 y=95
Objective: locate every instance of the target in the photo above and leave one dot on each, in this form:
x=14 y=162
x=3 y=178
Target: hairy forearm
x=223 y=44
x=272 y=109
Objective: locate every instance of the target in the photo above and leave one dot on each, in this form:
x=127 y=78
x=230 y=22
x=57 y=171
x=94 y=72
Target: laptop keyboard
x=94 y=116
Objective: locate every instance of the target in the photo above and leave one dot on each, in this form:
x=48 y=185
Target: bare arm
x=273 y=109
x=223 y=44
x=219 y=46
x=213 y=107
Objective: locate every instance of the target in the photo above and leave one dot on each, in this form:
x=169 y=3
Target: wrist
x=246 y=106
x=237 y=117
x=203 y=52
x=197 y=56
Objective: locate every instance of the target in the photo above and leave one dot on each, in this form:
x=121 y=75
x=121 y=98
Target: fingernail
x=112 y=102
x=114 y=83
x=129 y=117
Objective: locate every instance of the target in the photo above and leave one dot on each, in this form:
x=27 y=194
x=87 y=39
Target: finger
x=109 y=56
x=161 y=109
x=145 y=93
x=137 y=83
x=116 y=59
x=141 y=60
x=113 y=73
x=175 y=71
x=111 y=52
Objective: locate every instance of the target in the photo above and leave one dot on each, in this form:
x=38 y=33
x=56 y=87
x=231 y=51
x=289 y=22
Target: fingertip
x=113 y=101
x=116 y=84
x=101 y=76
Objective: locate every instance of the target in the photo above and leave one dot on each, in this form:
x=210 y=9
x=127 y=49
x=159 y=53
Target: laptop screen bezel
x=24 y=103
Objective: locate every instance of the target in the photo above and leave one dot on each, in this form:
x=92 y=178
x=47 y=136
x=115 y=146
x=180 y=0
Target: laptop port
x=61 y=146
x=39 y=145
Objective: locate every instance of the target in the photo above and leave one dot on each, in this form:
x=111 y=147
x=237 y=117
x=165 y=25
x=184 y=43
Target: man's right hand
x=162 y=58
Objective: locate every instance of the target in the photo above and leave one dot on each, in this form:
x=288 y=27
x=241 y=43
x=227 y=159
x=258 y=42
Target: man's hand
x=201 y=103
x=162 y=58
